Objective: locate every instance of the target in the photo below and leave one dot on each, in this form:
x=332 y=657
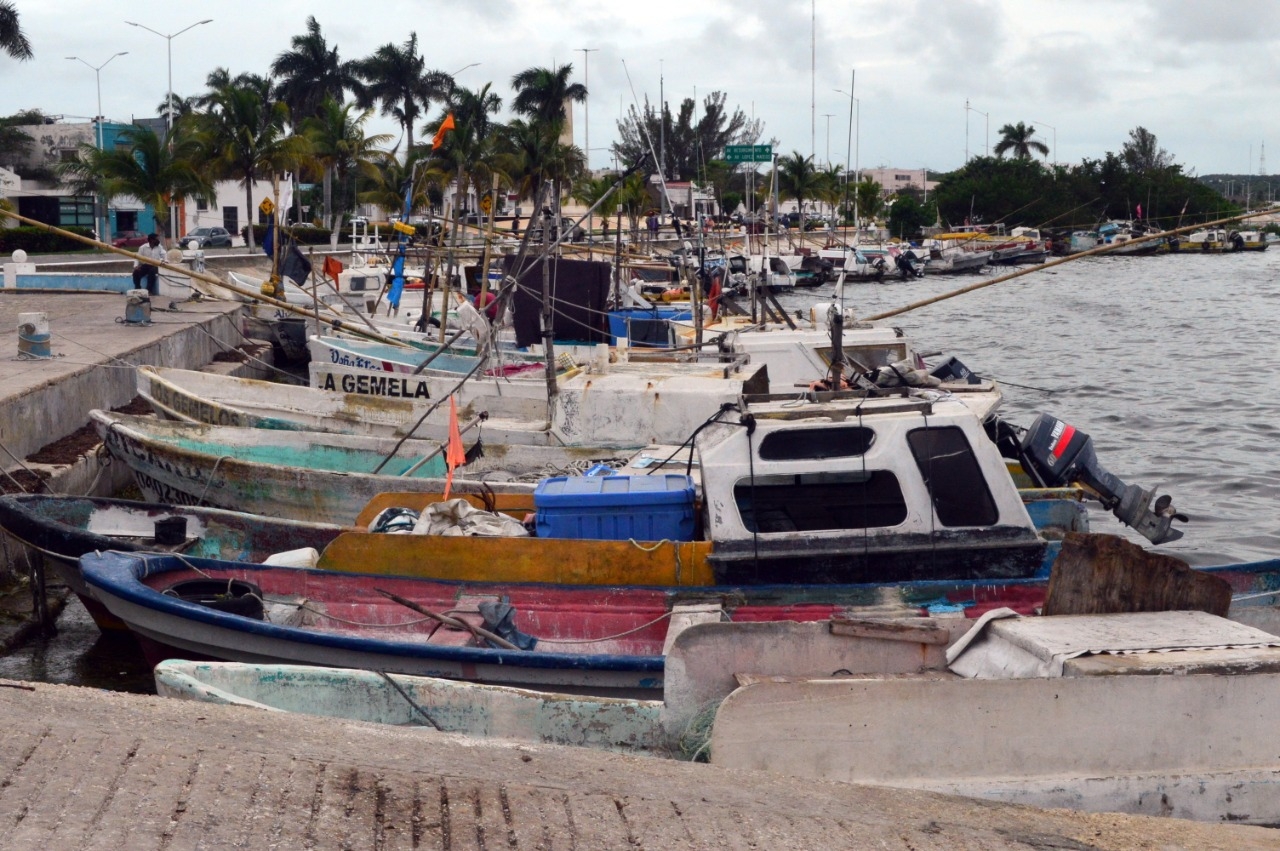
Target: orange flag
x=445 y=127
x=332 y=267
x=455 y=455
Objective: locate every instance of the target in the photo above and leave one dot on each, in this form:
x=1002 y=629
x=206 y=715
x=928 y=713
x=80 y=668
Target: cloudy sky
x=1200 y=75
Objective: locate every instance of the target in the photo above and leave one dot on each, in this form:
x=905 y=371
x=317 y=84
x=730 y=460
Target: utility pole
x=586 y=127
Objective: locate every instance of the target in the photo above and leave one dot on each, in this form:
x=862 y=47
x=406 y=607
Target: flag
x=1139 y=211
x=455 y=455
x=268 y=240
x=332 y=267
x=445 y=127
x=293 y=264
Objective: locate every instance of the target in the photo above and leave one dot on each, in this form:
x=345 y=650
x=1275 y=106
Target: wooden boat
x=63 y=528
x=451 y=706
x=1222 y=240
x=606 y=641
x=205 y=397
x=320 y=478
x=1154 y=712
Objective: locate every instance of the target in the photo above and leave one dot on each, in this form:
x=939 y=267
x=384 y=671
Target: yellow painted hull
x=554 y=560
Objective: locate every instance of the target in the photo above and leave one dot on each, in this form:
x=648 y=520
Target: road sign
x=266 y=207
x=748 y=153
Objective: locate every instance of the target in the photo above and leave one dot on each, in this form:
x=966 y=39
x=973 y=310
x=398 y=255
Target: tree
x=798 y=179
x=385 y=187
x=688 y=145
x=12 y=39
x=144 y=168
x=1141 y=153
x=542 y=94
x=340 y=146
x=311 y=73
x=469 y=151
x=14 y=141
x=242 y=137
x=1019 y=138
x=907 y=216
x=395 y=78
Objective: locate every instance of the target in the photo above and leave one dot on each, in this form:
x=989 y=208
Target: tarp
x=579 y=290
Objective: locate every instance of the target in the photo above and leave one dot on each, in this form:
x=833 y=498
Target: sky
x=1198 y=75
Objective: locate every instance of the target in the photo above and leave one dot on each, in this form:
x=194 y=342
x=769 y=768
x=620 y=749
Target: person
x=487 y=302
x=606 y=227
x=153 y=250
x=675 y=226
x=652 y=223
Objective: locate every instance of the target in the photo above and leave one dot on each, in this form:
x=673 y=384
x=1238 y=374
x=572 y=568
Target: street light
x=169 y=37
x=968 y=109
x=855 y=127
x=1055 y=139
x=827 y=115
x=97 y=74
x=586 y=125
x=463 y=68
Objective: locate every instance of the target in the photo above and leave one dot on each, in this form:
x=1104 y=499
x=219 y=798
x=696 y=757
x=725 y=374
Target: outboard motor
x=909 y=265
x=1057 y=454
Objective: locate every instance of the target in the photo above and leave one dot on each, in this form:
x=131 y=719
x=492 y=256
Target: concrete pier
x=93 y=358
x=82 y=768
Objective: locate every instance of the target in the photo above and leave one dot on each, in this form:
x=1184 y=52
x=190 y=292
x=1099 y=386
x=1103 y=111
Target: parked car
x=207 y=238
x=129 y=239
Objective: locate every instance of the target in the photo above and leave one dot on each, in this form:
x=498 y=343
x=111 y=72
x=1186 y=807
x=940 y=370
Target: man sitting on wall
x=153 y=250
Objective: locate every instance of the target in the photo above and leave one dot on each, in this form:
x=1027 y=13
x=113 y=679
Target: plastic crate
x=616 y=508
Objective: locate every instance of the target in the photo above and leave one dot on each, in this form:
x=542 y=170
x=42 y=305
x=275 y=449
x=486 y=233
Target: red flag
x=332 y=267
x=445 y=127
x=1139 y=211
x=455 y=455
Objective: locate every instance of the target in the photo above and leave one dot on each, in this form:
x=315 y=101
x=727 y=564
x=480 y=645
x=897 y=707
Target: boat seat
x=685 y=616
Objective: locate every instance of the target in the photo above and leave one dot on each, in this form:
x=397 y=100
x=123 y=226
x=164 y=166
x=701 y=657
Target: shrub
x=35 y=240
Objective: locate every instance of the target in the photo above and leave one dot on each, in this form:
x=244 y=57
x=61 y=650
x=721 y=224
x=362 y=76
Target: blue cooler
x=616 y=508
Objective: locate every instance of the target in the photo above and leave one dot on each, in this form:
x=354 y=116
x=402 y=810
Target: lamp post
x=1055 y=140
x=463 y=68
x=855 y=127
x=968 y=109
x=99 y=205
x=168 y=102
x=586 y=124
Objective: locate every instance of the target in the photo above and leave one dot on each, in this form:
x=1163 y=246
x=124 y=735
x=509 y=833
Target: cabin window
x=818 y=502
x=952 y=475
x=816 y=443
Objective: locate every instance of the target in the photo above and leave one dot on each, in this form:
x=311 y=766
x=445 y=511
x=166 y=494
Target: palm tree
x=385 y=187
x=339 y=145
x=543 y=93
x=395 y=78
x=1019 y=139
x=12 y=40
x=242 y=137
x=145 y=168
x=311 y=73
x=798 y=179
x=469 y=151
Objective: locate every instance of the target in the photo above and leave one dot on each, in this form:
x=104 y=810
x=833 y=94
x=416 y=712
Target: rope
x=643 y=549
x=207 y=484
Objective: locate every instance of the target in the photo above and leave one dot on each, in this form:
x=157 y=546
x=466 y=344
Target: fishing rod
x=336 y=324
x=1101 y=249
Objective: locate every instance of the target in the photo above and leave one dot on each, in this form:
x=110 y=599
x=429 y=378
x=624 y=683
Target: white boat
x=320 y=478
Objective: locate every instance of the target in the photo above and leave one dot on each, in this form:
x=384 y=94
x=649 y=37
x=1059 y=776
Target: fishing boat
x=606 y=641
x=63 y=528
x=1222 y=240
x=482 y=711
x=889 y=491
x=315 y=477
x=206 y=397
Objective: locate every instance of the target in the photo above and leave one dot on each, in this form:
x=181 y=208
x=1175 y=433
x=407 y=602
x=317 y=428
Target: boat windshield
x=815 y=502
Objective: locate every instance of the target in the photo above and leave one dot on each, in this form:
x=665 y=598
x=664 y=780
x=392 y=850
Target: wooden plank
x=1105 y=574
x=922 y=633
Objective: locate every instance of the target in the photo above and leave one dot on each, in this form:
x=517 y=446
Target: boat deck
x=94 y=353
x=84 y=768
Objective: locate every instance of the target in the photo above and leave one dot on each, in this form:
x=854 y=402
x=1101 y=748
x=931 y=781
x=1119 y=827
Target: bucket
x=233 y=596
x=137 y=309
x=33 y=335
x=171 y=531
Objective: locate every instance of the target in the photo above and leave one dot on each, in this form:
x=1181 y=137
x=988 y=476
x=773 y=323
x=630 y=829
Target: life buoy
x=995 y=255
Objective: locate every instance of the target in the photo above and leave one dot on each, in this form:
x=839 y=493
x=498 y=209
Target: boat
x=482 y=711
x=205 y=397
x=63 y=528
x=955 y=253
x=1157 y=713
x=1222 y=240
x=316 y=477
x=828 y=492
x=603 y=641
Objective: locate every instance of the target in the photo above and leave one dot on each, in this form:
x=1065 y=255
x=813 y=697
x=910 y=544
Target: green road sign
x=748 y=153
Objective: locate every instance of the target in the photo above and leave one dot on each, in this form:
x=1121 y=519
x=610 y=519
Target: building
x=893 y=180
